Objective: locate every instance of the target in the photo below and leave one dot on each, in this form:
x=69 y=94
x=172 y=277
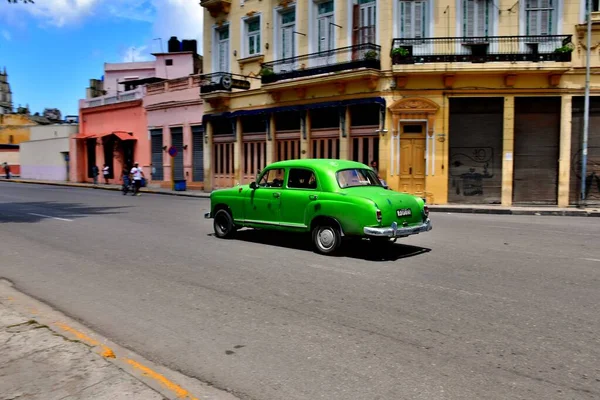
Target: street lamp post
x=586 y=106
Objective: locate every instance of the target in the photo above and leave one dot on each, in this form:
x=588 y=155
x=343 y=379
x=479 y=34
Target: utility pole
x=586 y=107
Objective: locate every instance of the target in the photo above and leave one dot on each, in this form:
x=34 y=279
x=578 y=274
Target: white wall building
x=45 y=155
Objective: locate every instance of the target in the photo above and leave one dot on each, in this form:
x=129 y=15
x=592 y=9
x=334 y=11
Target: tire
x=326 y=238
x=223 y=224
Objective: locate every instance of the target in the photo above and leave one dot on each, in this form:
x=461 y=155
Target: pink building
x=113 y=120
x=174 y=114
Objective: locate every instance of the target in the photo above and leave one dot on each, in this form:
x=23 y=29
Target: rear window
x=357 y=177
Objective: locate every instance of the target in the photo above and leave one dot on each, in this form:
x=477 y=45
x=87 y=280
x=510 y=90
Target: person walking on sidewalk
x=138 y=175
x=7 y=170
x=95 y=173
x=106 y=172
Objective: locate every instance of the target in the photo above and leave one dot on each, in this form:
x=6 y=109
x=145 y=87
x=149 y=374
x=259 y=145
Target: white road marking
x=591 y=259
x=51 y=217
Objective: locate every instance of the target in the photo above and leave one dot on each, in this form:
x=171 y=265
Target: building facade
x=174 y=112
x=46 y=155
x=113 y=123
x=464 y=101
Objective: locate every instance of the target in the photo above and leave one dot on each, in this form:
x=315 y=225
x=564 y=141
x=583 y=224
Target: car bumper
x=207 y=215
x=394 y=230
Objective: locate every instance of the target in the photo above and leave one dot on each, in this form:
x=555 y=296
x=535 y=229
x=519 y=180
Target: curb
x=114 y=189
x=508 y=211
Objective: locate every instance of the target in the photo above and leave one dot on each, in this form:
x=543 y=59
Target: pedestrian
x=7 y=170
x=376 y=170
x=125 y=179
x=138 y=175
x=106 y=172
x=95 y=173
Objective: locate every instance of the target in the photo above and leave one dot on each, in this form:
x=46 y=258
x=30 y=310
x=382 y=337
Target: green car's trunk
x=391 y=203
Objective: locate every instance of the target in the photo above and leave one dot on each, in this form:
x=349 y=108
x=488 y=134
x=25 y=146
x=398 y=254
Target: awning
x=83 y=136
x=124 y=135
x=296 y=107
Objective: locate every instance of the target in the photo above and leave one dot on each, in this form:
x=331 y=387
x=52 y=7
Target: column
x=187 y=153
x=345 y=134
x=208 y=161
x=167 y=159
x=305 y=135
x=238 y=152
x=508 y=144
x=271 y=144
x=564 y=161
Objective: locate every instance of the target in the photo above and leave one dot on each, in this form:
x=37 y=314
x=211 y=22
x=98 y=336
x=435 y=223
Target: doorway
x=412 y=157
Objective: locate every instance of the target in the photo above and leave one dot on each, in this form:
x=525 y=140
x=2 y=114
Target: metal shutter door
x=536 y=150
x=198 y=153
x=475 y=162
x=156 y=136
x=177 y=142
x=593 y=162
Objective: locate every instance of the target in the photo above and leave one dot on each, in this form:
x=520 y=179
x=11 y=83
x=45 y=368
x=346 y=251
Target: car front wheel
x=223 y=224
x=326 y=238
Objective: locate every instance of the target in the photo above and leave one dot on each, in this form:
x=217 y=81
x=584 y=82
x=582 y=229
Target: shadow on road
x=32 y=212
x=359 y=249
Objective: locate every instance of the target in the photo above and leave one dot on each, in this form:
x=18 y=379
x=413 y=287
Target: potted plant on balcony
x=400 y=55
x=563 y=53
x=267 y=74
x=370 y=55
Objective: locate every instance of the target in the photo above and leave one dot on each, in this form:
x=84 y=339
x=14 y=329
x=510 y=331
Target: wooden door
x=223 y=165
x=412 y=159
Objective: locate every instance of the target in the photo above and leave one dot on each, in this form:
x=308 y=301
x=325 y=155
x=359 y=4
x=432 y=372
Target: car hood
x=389 y=201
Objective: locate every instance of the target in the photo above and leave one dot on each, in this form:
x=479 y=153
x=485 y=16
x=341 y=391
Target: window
x=221 y=50
x=357 y=177
x=252 y=34
x=540 y=17
x=413 y=19
x=302 y=179
x=366 y=19
x=272 y=178
x=477 y=18
x=169 y=61
x=288 y=25
x=325 y=34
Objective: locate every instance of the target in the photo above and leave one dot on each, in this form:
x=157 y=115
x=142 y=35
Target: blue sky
x=53 y=47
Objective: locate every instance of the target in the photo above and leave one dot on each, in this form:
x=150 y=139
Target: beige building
x=46 y=155
x=459 y=101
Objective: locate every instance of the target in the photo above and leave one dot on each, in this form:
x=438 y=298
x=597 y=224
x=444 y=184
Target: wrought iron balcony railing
x=482 y=49
x=223 y=81
x=342 y=59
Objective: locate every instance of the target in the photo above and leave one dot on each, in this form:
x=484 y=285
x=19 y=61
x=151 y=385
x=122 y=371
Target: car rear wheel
x=223 y=224
x=326 y=238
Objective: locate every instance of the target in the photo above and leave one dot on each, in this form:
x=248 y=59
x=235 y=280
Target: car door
x=262 y=205
x=301 y=191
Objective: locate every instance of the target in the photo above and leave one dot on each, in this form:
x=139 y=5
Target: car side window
x=272 y=178
x=300 y=178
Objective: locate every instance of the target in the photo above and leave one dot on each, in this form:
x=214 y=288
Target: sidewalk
x=47 y=356
x=447 y=208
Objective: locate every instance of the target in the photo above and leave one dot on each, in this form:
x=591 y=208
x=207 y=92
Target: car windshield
x=357 y=177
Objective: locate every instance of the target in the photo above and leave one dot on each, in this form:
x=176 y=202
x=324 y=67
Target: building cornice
x=173 y=104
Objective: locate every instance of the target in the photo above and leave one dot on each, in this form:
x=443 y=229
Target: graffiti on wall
x=592 y=181
x=470 y=166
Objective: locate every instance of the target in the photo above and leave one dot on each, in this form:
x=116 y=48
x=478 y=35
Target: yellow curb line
x=108 y=353
x=181 y=392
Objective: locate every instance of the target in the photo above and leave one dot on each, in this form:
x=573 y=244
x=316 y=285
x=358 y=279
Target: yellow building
x=14 y=128
x=464 y=101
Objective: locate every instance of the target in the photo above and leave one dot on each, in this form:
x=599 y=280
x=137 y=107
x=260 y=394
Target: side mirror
x=253 y=185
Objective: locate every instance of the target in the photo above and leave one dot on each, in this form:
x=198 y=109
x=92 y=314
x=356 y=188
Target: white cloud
x=181 y=18
x=136 y=54
x=6 y=34
x=57 y=12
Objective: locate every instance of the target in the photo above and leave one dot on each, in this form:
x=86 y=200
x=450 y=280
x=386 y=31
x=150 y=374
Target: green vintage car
x=332 y=199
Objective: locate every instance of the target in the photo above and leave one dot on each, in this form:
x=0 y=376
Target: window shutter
x=355 y=23
x=407 y=17
x=419 y=18
x=480 y=10
x=469 y=18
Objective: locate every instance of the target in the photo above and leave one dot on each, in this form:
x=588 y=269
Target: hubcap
x=326 y=238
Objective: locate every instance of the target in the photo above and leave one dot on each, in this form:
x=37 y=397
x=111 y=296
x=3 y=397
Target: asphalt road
x=483 y=307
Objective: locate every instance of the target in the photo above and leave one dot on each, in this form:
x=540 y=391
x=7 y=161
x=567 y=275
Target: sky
x=52 y=48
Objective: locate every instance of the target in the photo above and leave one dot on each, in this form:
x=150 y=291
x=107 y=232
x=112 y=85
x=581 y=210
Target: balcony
x=481 y=50
x=342 y=59
x=215 y=7
x=135 y=94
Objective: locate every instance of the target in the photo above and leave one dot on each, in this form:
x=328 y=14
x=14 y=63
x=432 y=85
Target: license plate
x=405 y=212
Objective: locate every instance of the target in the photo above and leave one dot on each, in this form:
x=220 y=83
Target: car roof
x=318 y=163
